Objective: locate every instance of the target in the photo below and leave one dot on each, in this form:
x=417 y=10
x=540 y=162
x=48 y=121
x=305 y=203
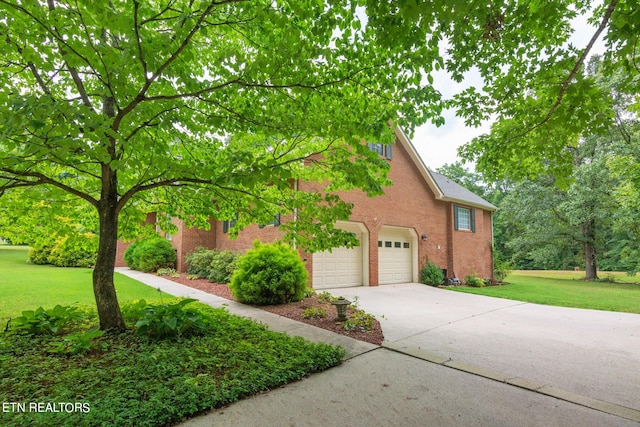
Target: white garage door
x=394 y=256
x=339 y=268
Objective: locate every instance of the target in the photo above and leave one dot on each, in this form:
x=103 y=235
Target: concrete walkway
x=403 y=382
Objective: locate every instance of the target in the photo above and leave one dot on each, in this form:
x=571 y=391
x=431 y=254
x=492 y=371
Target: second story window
x=381 y=149
x=464 y=218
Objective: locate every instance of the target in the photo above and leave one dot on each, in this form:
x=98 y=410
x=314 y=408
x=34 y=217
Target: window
x=387 y=244
x=464 y=218
x=226 y=225
x=397 y=244
x=381 y=149
x=275 y=222
x=405 y=245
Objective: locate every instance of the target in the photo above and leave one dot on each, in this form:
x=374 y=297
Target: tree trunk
x=103 y=285
x=590 y=263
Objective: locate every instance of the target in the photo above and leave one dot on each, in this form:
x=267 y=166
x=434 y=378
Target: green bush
x=431 y=274
x=40 y=251
x=149 y=255
x=474 y=281
x=501 y=269
x=72 y=250
x=269 y=274
x=128 y=253
x=75 y=250
x=213 y=265
x=222 y=266
x=199 y=262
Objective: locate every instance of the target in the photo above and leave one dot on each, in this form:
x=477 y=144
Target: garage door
x=341 y=267
x=394 y=256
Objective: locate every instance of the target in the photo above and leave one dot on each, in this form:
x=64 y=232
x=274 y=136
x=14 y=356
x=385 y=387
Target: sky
x=438 y=146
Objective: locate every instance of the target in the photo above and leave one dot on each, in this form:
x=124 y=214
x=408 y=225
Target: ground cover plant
x=143 y=379
x=26 y=286
x=566 y=289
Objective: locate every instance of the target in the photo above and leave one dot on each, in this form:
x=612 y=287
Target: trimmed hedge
x=271 y=273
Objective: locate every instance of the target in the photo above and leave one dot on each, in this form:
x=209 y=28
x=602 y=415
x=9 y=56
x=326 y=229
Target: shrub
x=501 y=269
x=75 y=250
x=474 y=281
x=431 y=274
x=269 y=274
x=72 y=250
x=199 y=262
x=150 y=254
x=128 y=253
x=215 y=266
x=222 y=266
x=40 y=251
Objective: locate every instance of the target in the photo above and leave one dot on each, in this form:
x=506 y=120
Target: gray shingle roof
x=455 y=192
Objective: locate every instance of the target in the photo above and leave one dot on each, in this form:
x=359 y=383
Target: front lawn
x=132 y=379
x=565 y=289
x=27 y=286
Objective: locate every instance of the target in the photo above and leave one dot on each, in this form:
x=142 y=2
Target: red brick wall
x=472 y=251
x=122 y=245
x=188 y=239
x=408 y=203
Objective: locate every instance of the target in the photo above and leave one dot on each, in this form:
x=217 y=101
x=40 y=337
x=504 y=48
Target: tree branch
x=72 y=70
x=40 y=179
x=574 y=71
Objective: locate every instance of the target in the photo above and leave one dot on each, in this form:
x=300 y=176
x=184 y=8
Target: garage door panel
x=340 y=267
x=395 y=257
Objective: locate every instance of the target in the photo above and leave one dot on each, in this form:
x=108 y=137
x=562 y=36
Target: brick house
x=422 y=216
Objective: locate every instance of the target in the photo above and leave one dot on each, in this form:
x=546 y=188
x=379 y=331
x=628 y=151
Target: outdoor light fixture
x=341 y=307
x=424 y=237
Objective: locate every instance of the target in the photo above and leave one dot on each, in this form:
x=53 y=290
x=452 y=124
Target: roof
x=444 y=188
x=457 y=193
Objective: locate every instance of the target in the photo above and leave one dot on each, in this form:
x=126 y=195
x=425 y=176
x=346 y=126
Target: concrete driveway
x=589 y=353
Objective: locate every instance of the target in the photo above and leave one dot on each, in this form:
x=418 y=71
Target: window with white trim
x=464 y=218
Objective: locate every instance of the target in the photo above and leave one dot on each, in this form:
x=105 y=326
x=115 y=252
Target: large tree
x=199 y=109
x=542 y=100
x=179 y=103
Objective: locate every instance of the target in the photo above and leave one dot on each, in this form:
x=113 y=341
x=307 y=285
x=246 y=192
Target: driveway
x=590 y=353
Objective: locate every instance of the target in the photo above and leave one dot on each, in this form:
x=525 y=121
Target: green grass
x=566 y=289
x=128 y=379
x=26 y=286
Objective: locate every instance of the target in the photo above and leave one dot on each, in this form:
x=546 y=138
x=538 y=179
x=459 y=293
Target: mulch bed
x=293 y=310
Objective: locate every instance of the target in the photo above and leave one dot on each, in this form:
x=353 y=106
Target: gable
x=443 y=188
